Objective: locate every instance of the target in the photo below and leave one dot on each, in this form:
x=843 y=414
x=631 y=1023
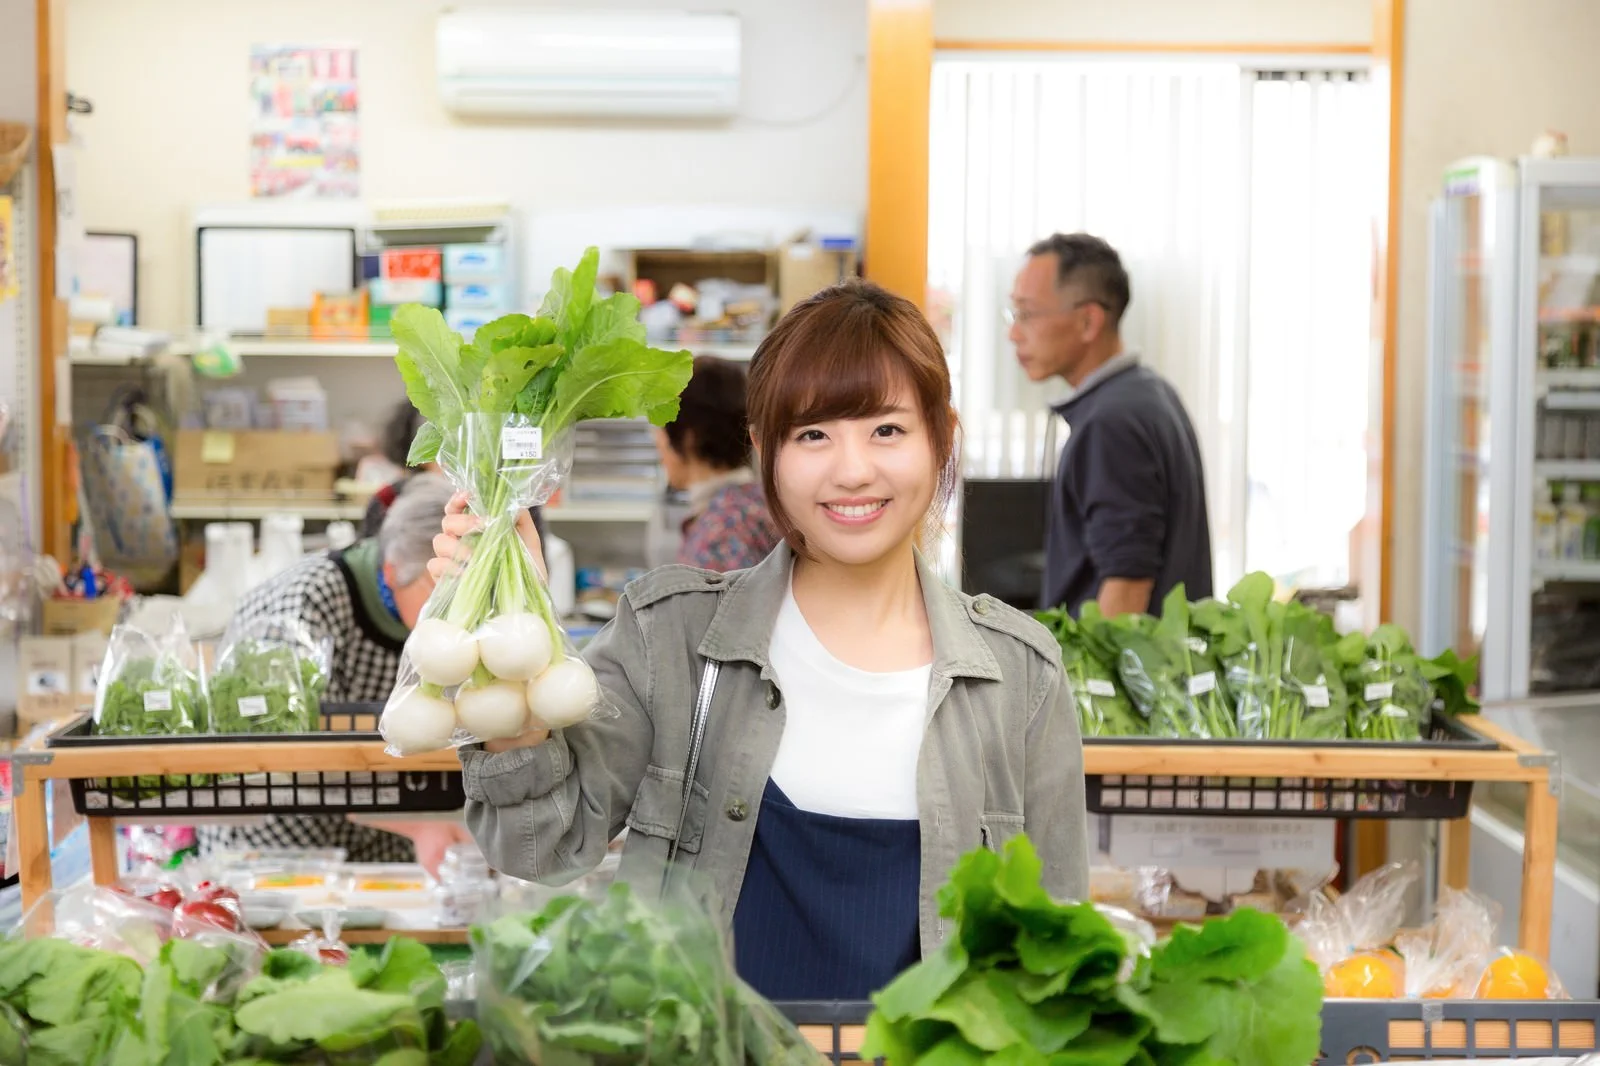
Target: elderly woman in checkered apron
x=364 y=599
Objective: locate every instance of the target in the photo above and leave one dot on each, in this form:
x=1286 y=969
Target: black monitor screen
x=1002 y=539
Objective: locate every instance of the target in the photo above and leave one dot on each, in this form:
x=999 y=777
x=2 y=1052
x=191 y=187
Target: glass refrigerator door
x=1471 y=415
x=1556 y=613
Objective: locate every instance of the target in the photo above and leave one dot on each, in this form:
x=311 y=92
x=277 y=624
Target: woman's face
x=858 y=489
x=672 y=463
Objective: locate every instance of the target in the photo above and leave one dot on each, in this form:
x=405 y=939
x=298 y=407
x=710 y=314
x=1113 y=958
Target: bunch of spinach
x=1170 y=672
x=66 y=1000
x=268 y=685
x=615 y=981
x=150 y=686
x=1104 y=709
x=1279 y=664
x=1394 y=690
x=386 y=1009
x=197 y=1004
x=1028 y=981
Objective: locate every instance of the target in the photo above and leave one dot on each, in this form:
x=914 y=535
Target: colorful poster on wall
x=305 y=136
x=8 y=252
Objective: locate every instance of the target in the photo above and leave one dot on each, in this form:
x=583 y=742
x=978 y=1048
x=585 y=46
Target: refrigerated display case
x=1511 y=532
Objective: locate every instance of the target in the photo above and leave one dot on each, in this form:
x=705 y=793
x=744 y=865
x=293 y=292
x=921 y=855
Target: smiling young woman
x=854 y=724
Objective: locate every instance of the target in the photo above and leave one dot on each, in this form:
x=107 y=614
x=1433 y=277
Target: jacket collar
x=1124 y=360
x=741 y=630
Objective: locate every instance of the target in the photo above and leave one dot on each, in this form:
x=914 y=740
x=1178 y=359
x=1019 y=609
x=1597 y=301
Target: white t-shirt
x=850 y=737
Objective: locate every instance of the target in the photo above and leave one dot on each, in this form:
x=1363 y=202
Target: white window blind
x=1163 y=160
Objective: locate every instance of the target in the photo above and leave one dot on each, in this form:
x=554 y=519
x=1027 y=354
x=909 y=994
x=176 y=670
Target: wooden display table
x=1513 y=760
x=32 y=767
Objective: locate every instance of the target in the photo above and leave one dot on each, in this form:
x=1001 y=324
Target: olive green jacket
x=1001 y=754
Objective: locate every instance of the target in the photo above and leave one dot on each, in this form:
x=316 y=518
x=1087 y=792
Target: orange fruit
x=1514 y=976
x=1369 y=975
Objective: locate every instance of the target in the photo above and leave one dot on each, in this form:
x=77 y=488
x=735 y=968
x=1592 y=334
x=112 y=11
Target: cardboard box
x=46 y=693
x=257 y=464
x=88 y=653
x=66 y=618
x=806 y=269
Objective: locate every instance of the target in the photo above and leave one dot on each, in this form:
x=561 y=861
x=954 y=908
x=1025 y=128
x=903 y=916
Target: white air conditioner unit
x=551 y=62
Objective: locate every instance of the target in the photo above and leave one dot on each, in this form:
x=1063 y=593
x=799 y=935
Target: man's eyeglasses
x=1015 y=317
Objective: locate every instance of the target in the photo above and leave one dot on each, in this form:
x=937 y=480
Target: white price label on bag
x=1200 y=684
x=1196 y=645
x=520 y=443
x=1380 y=690
x=1099 y=686
x=159 y=700
x=1316 y=695
x=252 y=706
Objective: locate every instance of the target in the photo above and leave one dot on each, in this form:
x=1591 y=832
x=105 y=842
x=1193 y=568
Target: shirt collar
x=700 y=494
x=741 y=630
x=1126 y=360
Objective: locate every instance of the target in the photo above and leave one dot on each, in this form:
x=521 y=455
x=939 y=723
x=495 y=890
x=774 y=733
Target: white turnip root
x=496 y=711
x=443 y=653
x=515 y=647
x=418 y=722
x=565 y=694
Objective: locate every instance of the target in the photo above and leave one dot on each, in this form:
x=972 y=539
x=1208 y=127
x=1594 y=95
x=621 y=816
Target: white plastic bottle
x=1574 y=516
x=1546 y=528
x=564 y=574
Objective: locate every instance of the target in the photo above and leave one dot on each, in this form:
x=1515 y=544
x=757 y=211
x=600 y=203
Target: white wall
x=1482 y=77
x=1231 y=21
x=170 y=131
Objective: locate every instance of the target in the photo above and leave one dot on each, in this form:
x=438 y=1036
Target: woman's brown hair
x=843 y=353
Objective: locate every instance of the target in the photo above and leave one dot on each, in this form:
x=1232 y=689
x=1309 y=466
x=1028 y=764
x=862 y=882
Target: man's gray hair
x=406 y=536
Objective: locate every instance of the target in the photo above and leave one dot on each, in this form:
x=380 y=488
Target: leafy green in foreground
x=1027 y=981
x=619 y=981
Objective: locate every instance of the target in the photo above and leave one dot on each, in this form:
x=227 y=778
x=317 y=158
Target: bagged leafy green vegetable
x=1104 y=709
x=1281 y=673
x=270 y=677
x=618 y=980
x=1029 y=980
x=489 y=659
x=1170 y=672
x=150 y=685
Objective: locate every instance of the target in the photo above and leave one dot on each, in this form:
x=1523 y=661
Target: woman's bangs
x=848 y=381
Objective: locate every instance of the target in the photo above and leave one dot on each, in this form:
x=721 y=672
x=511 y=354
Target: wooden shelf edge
x=1500 y=735
x=252 y=757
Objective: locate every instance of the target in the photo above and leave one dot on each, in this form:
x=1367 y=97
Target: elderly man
x=364 y=599
x=1127 y=519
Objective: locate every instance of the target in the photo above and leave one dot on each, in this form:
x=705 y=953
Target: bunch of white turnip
x=489 y=659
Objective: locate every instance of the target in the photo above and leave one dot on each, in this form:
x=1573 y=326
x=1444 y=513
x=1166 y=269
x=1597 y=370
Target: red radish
x=166 y=897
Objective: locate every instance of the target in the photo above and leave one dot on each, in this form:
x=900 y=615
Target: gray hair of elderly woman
x=406 y=536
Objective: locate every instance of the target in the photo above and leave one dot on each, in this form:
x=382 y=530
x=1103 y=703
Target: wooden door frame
x=57 y=476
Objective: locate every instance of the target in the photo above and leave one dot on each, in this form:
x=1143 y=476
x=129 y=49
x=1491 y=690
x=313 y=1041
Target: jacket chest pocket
x=658 y=802
x=996 y=829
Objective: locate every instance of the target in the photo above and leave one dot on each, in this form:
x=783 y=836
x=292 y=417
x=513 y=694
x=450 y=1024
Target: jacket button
x=772 y=696
x=981 y=606
x=737 y=811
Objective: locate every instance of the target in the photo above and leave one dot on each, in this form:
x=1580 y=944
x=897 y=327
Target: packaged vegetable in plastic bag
x=150 y=684
x=270 y=677
x=1104 y=709
x=1445 y=958
x=1170 y=673
x=1348 y=937
x=488 y=659
x=618 y=978
x=1390 y=697
x=1280 y=675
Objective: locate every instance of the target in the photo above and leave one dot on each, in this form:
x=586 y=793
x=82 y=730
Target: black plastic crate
x=1288 y=797
x=1361 y=1031
x=277 y=792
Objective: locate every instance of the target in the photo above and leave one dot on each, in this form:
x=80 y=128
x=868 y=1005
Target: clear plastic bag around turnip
x=488 y=658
